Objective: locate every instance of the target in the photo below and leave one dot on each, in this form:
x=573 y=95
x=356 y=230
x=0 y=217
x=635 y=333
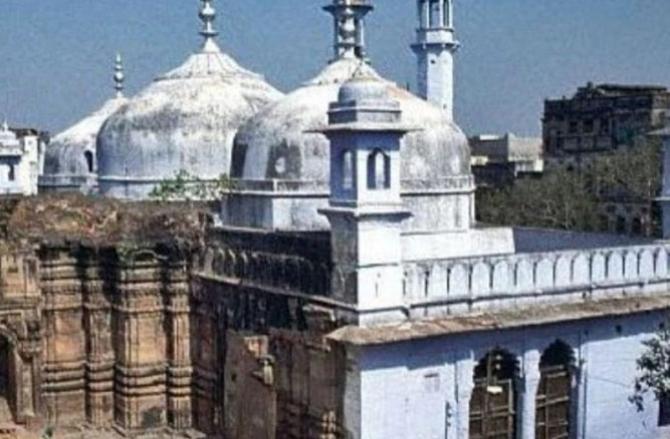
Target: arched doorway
x=554 y=394
x=493 y=405
x=7 y=382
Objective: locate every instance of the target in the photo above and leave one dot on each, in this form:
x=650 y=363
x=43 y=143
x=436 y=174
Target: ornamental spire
x=207 y=16
x=349 y=26
x=119 y=77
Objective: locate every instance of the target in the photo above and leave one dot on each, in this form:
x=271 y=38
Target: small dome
x=360 y=89
x=279 y=142
x=72 y=152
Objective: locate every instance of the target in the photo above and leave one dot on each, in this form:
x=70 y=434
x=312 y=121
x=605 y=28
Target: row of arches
x=287 y=272
x=530 y=272
x=378 y=170
x=494 y=404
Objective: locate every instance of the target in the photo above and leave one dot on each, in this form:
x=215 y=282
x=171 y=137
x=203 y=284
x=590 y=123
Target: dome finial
x=349 y=25
x=119 y=76
x=207 y=16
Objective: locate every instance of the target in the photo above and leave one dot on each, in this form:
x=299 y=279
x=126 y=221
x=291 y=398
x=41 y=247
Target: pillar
x=465 y=384
x=530 y=384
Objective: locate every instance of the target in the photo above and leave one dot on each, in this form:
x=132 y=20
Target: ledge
x=489 y=321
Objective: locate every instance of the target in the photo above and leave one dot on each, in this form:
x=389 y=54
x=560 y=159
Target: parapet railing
x=550 y=276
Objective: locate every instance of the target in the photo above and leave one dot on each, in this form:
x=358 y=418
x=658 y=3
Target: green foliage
x=186 y=187
x=653 y=368
x=571 y=199
x=560 y=199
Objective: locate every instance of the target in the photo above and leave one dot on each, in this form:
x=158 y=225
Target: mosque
x=345 y=289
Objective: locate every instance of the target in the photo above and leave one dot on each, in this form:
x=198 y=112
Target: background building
x=21 y=159
x=600 y=119
x=499 y=160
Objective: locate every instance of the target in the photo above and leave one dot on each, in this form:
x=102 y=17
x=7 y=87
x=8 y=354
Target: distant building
x=21 y=160
x=600 y=119
x=499 y=160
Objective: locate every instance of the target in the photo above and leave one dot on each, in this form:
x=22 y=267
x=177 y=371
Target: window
x=621 y=224
x=664 y=411
x=572 y=127
x=379 y=170
x=347 y=170
x=88 y=156
x=11 y=174
x=588 y=126
x=553 y=402
x=494 y=398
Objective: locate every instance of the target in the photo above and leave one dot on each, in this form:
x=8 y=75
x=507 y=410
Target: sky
x=57 y=55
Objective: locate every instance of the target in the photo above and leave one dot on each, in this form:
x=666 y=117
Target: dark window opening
x=553 y=403
x=11 y=174
x=493 y=403
x=664 y=410
x=88 y=155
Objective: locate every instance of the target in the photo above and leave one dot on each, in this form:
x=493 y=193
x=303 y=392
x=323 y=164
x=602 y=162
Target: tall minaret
x=119 y=77
x=349 y=27
x=435 y=48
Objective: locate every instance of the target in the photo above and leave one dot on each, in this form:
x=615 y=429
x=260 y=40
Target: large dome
x=279 y=142
x=185 y=120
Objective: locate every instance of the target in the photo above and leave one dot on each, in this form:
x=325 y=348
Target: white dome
x=280 y=143
x=185 y=120
x=66 y=153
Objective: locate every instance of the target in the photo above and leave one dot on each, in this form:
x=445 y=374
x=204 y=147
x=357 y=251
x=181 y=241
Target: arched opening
x=553 y=403
x=88 y=155
x=7 y=381
x=11 y=173
x=379 y=170
x=493 y=404
x=347 y=170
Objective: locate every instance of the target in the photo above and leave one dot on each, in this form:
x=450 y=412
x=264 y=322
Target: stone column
x=465 y=384
x=425 y=14
x=180 y=371
x=530 y=381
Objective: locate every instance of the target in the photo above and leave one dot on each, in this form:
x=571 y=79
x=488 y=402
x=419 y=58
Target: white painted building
x=21 y=157
x=448 y=329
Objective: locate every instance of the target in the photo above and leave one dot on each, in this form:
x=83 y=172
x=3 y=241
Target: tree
x=186 y=187
x=566 y=199
x=653 y=368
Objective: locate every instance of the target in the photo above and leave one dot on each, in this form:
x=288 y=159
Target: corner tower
x=435 y=48
x=365 y=210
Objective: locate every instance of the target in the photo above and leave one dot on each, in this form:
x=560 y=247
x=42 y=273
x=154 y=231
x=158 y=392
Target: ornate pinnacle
x=119 y=77
x=207 y=16
x=348 y=16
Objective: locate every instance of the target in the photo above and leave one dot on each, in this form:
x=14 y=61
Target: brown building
x=600 y=119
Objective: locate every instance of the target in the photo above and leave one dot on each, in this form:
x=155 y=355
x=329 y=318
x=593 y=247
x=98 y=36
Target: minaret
x=349 y=27
x=435 y=48
x=119 y=77
x=365 y=209
x=208 y=16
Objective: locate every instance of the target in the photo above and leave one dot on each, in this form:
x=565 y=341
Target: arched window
x=553 y=403
x=347 y=170
x=379 y=170
x=88 y=156
x=493 y=403
x=11 y=173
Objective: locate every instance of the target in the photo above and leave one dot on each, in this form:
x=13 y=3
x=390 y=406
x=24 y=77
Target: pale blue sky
x=57 y=54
